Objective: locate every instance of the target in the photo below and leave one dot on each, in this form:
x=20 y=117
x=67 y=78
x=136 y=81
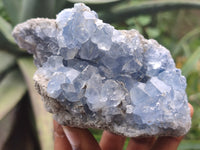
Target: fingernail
x=73 y=138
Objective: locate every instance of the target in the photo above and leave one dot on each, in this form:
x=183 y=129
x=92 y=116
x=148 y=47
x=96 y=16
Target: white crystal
x=129 y=109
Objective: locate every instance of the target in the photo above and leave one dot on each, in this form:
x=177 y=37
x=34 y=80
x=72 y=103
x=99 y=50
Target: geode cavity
x=92 y=75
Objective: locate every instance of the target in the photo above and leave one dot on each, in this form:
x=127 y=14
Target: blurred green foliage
x=174 y=24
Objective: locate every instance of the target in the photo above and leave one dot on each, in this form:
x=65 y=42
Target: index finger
x=111 y=141
x=60 y=140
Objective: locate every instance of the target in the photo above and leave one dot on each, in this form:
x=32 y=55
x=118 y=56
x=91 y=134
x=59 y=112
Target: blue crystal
x=117 y=76
x=54 y=85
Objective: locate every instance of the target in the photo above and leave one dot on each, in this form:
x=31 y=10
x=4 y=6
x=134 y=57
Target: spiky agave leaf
x=43 y=118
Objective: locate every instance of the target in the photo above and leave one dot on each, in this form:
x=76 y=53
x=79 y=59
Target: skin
x=69 y=138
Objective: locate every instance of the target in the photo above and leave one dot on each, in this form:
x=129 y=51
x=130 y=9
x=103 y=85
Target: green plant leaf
x=190 y=64
x=195 y=97
x=129 y=9
x=19 y=10
x=193 y=82
x=12 y=89
x=184 y=40
x=5 y=44
x=189 y=145
x=1 y=4
x=6 y=29
x=44 y=120
x=45 y=8
x=131 y=21
x=59 y=5
x=6 y=125
x=7 y=59
x=153 y=32
x=144 y=20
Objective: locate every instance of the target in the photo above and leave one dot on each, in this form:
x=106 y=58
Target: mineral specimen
x=92 y=75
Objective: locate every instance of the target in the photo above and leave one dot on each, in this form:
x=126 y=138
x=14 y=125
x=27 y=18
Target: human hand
x=69 y=138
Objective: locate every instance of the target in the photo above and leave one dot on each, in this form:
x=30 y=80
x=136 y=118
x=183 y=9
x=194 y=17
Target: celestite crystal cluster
x=92 y=75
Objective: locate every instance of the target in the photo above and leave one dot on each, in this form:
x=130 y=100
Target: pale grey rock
x=92 y=75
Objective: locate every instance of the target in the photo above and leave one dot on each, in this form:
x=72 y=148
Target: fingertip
x=167 y=143
x=72 y=136
x=141 y=143
x=60 y=140
x=80 y=138
x=191 y=109
x=58 y=131
x=109 y=138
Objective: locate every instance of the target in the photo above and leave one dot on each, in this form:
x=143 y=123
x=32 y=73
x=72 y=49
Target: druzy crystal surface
x=92 y=75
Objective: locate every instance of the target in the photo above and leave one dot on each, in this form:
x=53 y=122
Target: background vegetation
x=25 y=125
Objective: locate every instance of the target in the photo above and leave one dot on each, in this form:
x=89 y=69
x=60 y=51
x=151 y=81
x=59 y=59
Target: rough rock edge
x=31 y=24
x=64 y=117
